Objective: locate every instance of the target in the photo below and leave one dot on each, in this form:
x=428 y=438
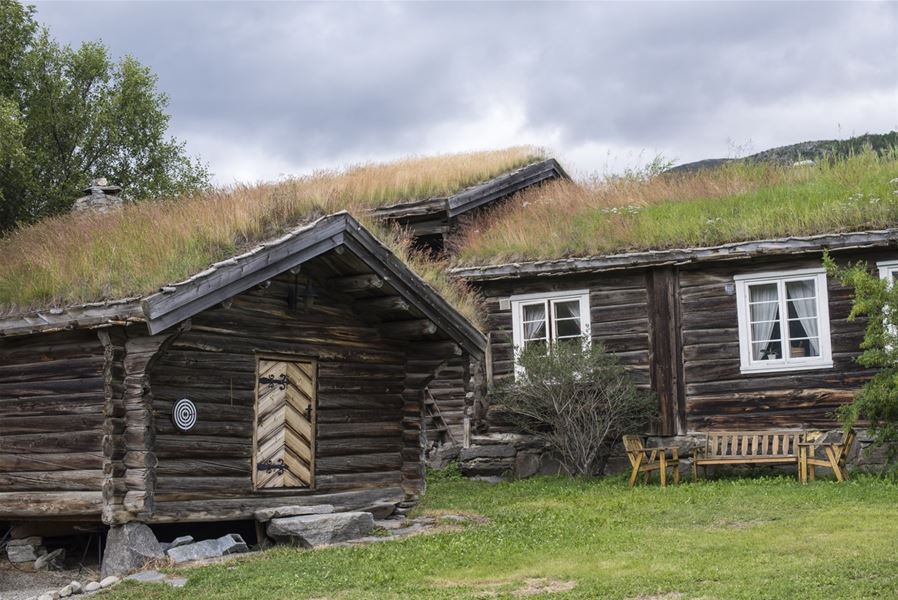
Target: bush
x=877 y=401
x=578 y=399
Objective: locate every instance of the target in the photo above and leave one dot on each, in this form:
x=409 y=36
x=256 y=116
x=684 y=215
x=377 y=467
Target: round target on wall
x=183 y=415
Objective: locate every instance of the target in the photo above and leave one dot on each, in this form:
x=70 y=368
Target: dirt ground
x=18 y=585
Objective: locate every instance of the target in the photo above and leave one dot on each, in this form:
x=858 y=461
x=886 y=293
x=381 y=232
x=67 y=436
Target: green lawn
x=725 y=539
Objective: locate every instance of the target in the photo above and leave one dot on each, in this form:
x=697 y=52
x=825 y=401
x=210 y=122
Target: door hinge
x=281 y=381
x=280 y=466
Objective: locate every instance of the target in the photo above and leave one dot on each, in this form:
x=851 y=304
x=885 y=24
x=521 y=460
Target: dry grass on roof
x=736 y=202
x=76 y=258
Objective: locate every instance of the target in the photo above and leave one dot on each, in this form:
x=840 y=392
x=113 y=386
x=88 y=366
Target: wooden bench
x=747 y=448
x=835 y=455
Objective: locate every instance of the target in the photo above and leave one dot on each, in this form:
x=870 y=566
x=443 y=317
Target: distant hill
x=793 y=153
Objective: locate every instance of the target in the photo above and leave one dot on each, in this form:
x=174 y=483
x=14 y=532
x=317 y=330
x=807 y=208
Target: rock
x=51 y=561
x=109 y=581
x=77 y=588
x=493 y=451
x=147 y=577
x=92 y=586
x=176 y=582
x=175 y=543
x=46 y=597
x=33 y=540
x=381 y=510
x=231 y=543
x=526 y=464
x=129 y=547
x=442 y=456
x=266 y=514
x=317 y=530
x=22 y=553
x=65 y=592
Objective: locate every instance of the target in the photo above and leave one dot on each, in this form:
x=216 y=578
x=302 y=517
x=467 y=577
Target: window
x=783 y=321
x=548 y=318
x=888 y=270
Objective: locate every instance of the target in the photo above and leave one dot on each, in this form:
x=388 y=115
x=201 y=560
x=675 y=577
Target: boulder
x=317 y=530
x=128 y=548
x=231 y=543
x=22 y=553
x=108 y=581
x=493 y=451
x=264 y=515
x=76 y=586
x=92 y=586
x=178 y=541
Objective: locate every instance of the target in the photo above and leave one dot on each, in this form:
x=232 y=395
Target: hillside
x=814 y=150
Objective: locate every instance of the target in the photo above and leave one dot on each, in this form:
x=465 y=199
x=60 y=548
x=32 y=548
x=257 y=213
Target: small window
x=888 y=270
x=783 y=321
x=545 y=319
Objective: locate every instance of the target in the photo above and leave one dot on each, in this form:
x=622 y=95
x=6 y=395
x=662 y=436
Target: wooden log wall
x=618 y=316
x=51 y=426
x=677 y=329
x=369 y=405
x=718 y=396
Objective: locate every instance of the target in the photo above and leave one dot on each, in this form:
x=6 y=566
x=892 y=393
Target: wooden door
x=284 y=437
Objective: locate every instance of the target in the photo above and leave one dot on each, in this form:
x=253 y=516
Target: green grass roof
x=77 y=258
x=735 y=202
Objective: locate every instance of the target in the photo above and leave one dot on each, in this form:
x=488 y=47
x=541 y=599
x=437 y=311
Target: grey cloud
x=310 y=82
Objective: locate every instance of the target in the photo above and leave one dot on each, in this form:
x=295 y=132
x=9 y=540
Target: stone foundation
x=517 y=456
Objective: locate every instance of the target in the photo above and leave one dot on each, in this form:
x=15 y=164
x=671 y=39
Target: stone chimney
x=99 y=197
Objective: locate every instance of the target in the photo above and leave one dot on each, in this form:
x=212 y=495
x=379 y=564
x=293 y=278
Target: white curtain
x=805 y=310
x=536 y=328
x=766 y=310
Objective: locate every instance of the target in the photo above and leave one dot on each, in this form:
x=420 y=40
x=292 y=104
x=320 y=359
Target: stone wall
x=517 y=456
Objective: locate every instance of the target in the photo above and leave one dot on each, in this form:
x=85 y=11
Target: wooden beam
x=634 y=260
x=355 y=283
x=381 y=304
x=407 y=329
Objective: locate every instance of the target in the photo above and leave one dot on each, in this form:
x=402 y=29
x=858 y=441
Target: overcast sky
x=260 y=90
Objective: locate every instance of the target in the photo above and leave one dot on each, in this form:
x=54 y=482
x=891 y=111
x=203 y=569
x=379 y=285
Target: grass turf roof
x=77 y=258
x=735 y=202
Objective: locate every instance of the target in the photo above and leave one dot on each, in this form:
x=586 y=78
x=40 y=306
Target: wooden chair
x=645 y=460
x=835 y=455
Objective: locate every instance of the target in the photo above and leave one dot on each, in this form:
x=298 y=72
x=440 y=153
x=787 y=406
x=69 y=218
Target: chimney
x=99 y=197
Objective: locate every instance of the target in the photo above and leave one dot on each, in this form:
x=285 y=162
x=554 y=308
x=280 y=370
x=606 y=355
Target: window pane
x=767 y=350
x=765 y=311
x=802 y=308
x=534 y=325
x=567 y=328
x=567 y=309
x=763 y=292
x=766 y=331
x=801 y=289
x=802 y=328
x=804 y=348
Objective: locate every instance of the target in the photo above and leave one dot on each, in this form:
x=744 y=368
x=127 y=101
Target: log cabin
x=748 y=335
x=289 y=374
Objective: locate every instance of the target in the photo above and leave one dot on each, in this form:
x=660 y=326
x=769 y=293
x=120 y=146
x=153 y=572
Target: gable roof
x=225 y=279
x=477 y=196
x=887 y=238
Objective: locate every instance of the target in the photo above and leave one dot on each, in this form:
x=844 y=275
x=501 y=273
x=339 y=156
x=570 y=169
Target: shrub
x=877 y=401
x=578 y=399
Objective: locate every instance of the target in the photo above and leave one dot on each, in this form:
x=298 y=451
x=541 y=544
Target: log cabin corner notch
x=86 y=393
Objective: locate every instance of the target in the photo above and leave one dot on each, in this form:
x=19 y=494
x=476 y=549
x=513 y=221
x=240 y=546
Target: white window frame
x=887 y=270
x=548 y=299
x=787 y=363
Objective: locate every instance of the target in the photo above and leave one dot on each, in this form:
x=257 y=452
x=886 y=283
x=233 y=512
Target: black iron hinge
x=281 y=381
x=280 y=466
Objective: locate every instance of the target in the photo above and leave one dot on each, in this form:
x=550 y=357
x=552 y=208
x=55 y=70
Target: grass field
x=556 y=538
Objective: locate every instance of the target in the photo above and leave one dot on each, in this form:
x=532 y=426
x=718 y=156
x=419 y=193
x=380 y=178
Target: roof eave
x=650 y=258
